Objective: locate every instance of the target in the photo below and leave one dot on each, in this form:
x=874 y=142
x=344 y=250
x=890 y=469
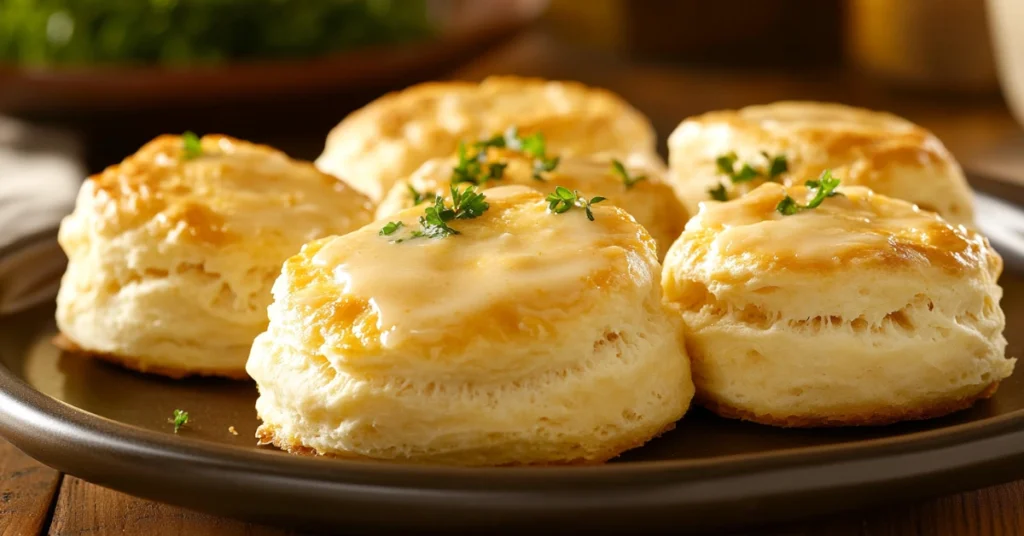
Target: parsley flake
x=467 y=204
x=719 y=194
x=434 y=221
x=726 y=164
x=496 y=171
x=563 y=199
x=623 y=174
x=824 y=187
x=534 y=146
x=777 y=165
x=471 y=167
x=180 y=419
x=390 y=228
x=419 y=197
x=543 y=165
x=497 y=141
x=192 y=146
x=745 y=174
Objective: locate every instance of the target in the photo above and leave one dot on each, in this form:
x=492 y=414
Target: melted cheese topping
x=517 y=269
x=235 y=190
x=859 y=226
x=650 y=201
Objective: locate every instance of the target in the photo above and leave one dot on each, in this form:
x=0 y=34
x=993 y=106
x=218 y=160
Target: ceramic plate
x=110 y=426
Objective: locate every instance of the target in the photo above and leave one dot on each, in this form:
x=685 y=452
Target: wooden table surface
x=36 y=500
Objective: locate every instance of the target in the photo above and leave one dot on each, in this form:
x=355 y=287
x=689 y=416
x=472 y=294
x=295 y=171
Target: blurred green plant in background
x=184 y=32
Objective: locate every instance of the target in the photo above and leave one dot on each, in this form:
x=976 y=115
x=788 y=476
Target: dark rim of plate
x=32 y=417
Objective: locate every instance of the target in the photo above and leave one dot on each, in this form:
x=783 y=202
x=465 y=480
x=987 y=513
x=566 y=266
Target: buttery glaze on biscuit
x=528 y=338
x=171 y=259
x=881 y=151
x=865 y=310
x=857 y=227
x=650 y=201
x=388 y=139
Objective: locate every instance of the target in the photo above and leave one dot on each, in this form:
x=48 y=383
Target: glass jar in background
x=925 y=44
x=1006 y=18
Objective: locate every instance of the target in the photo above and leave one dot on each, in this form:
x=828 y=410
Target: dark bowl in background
x=465 y=27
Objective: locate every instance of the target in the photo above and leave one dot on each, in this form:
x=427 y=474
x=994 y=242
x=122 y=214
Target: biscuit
x=642 y=193
x=529 y=338
x=865 y=310
x=391 y=137
x=171 y=258
x=883 y=152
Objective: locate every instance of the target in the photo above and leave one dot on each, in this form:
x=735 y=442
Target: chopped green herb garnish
x=434 y=221
x=777 y=165
x=390 y=228
x=496 y=170
x=419 y=197
x=563 y=199
x=471 y=167
x=474 y=168
x=180 y=419
x=726 y=164
x=497 y=141
x=468 y=168
x=534 y=145
x=192 y=146
x=467 y=204
x=623 y=174
x=745 y=174
x=543 y=165
x=824 y=187
x=720 y=193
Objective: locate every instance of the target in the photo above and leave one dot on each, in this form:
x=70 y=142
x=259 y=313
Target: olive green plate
x=110 y=426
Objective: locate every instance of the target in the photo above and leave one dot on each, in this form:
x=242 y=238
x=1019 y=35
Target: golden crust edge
x=879 y=417
x=67 y=344
x=267 y=434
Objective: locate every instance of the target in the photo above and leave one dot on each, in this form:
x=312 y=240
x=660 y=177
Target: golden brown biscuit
x=881 y=151
x=865 y=310
x=640 y=191
x=171 y=257
x=388 y=139
x=528 y=338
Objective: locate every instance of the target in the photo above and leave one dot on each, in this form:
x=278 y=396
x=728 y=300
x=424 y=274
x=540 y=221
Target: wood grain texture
x=87 y=509
x=995 y=511
x=27 y=489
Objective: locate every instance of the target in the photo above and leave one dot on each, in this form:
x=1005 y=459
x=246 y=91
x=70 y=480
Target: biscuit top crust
x=649 y=200
x=844 y=133
x=859 y=228
x=516 y=274
x=235 y=191
x=878 y=150
x=392 y=136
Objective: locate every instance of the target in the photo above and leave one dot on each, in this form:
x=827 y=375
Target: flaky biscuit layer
x=171 y=259
x=528 y=338
x=864 y=310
